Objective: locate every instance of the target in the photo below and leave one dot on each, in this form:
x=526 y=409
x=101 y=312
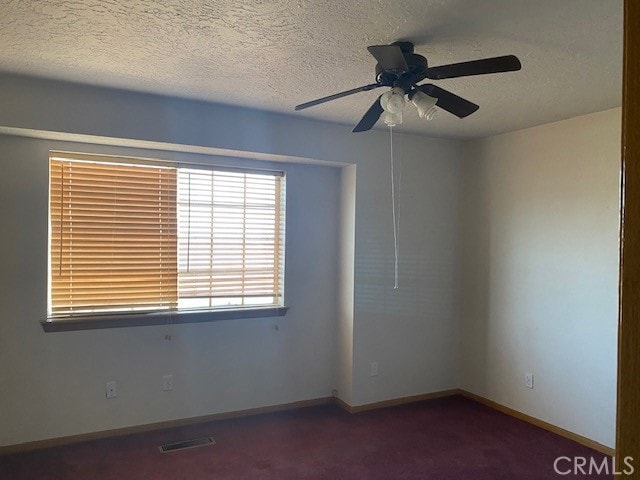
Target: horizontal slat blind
x=230 y=231
x=113 y=237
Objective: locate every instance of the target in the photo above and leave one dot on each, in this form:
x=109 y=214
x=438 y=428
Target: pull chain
x=395 y=208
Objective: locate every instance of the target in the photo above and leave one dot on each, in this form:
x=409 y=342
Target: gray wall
x=56 y=380
x=540 y=271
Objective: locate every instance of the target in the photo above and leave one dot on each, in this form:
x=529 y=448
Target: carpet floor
x=450 y=438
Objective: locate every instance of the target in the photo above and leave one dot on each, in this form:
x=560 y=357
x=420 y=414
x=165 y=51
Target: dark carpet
x=449 y=438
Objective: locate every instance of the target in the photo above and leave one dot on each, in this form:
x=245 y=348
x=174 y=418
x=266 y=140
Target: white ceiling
x=274 y=54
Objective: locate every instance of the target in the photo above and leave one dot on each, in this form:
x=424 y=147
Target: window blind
x=113 y=237
x=231 y=238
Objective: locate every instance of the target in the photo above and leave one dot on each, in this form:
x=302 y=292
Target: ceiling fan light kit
x=401 y=69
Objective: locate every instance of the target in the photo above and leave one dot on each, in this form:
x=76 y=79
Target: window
x=134 y=236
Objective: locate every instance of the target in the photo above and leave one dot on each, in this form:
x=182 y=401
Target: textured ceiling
x=274 y=54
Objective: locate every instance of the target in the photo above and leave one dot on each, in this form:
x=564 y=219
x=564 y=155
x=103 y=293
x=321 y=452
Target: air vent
x=198 y=442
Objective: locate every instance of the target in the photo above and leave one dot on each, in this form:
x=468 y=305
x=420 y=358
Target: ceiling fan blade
x=335 y=96
x=390 y=57
x=448 y=101
x=507 y=63
x=370 y=118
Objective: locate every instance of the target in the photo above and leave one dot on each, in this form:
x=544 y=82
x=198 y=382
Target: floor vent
x=198 y=442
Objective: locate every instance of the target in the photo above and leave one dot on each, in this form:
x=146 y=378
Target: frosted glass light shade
x=393 y=100
x=425 y=104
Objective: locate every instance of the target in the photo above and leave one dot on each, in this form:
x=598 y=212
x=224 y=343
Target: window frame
x=55 y=323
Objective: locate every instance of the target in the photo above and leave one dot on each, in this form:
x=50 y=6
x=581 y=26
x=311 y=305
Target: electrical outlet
x=167 y=382
x=111 y=390
x=374 y=369
x=528 y=380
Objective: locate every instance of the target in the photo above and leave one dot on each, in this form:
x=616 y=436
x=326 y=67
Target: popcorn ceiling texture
x=274 y=54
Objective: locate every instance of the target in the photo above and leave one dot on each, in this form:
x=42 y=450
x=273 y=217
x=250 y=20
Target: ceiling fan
x=401 y=69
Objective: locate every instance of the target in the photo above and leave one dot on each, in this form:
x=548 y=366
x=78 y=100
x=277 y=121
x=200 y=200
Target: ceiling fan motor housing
x=417 y=71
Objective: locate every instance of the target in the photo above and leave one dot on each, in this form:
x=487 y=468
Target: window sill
x=94 y=322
